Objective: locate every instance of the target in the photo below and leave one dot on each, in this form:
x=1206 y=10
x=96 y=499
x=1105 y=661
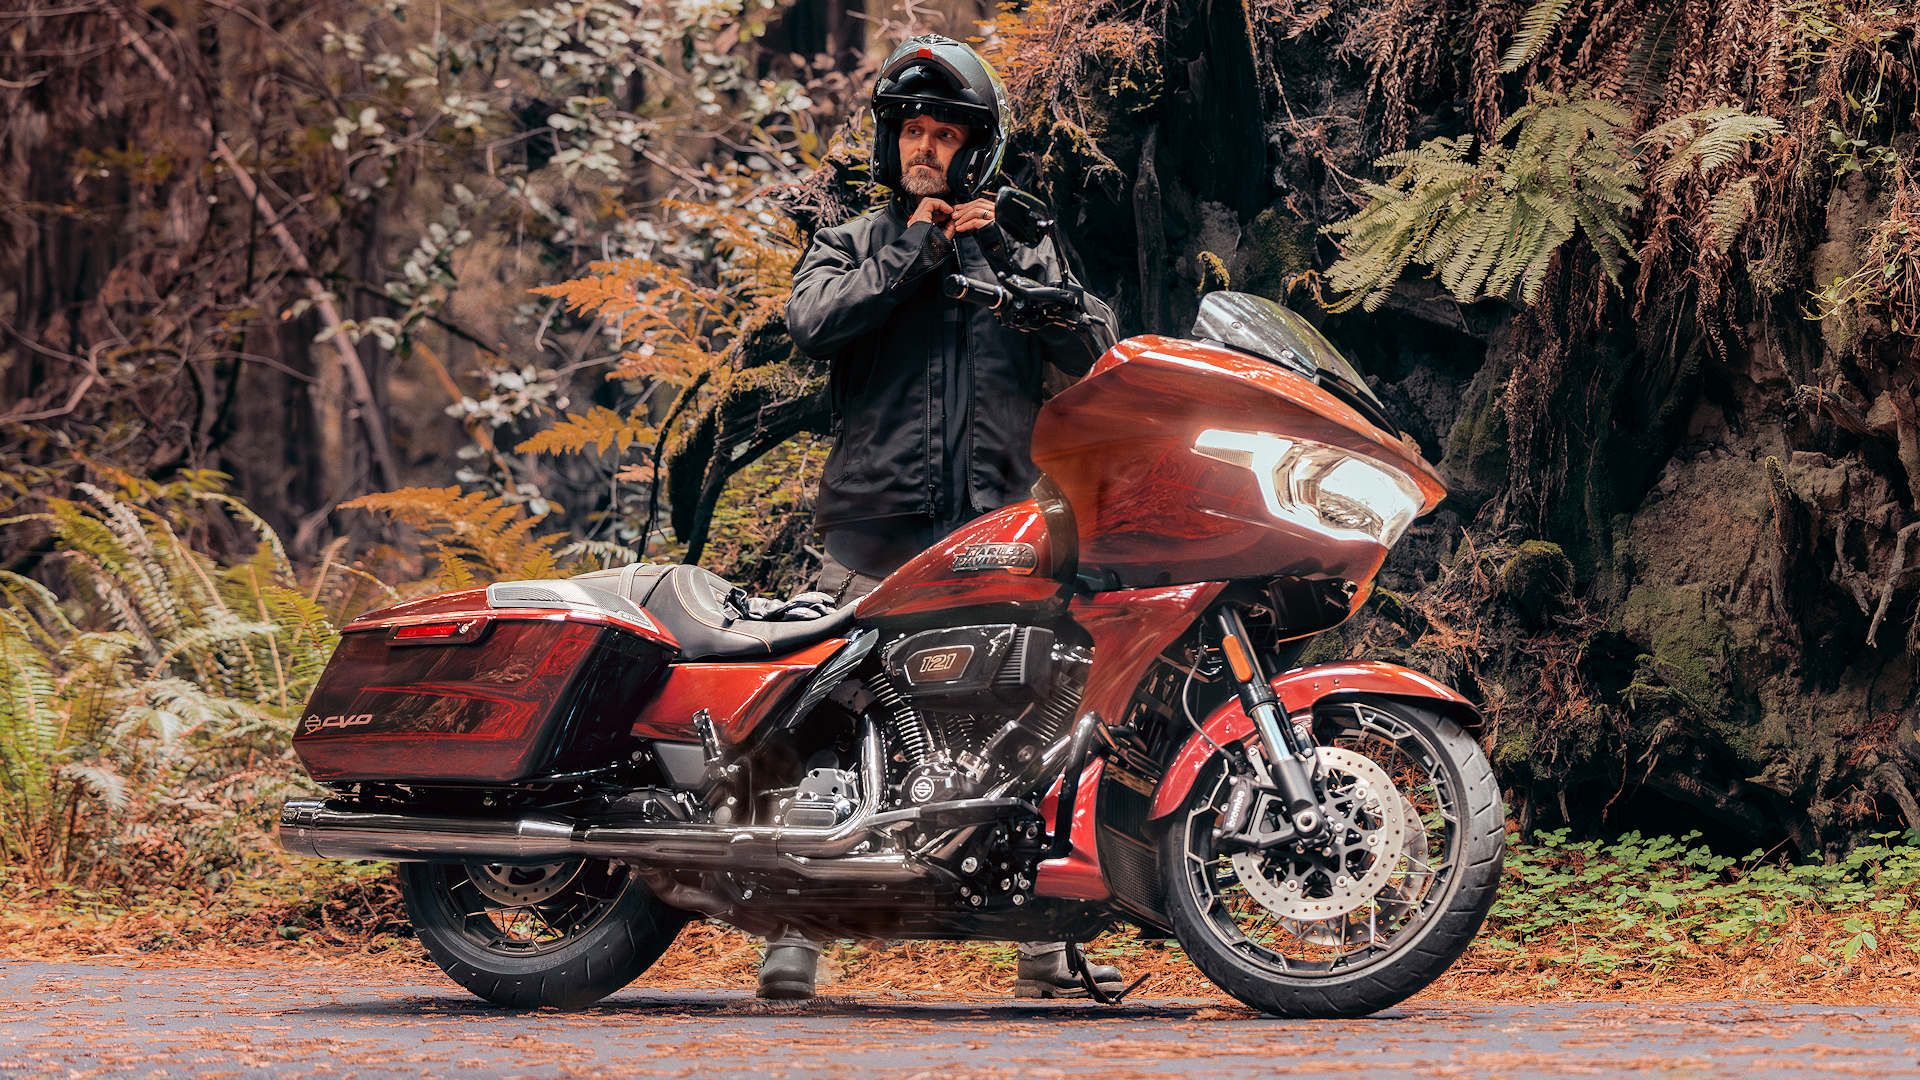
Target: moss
x=1274 y=248
x=1686 y=663
x=1537 y=580
x=1326 y=648
x=1475 y=463
x=1213 y=274
x=1513 y=750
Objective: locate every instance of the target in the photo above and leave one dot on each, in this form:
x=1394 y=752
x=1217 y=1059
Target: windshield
x=1259 y=326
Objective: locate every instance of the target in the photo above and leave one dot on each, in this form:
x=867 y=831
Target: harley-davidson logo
x=316 y=722
x=1013 y=558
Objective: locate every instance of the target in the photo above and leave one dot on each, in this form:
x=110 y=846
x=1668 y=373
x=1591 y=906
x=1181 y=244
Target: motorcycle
x=1076 y=713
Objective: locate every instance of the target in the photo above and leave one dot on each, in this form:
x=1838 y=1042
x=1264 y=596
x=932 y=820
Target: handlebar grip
x=961 y=287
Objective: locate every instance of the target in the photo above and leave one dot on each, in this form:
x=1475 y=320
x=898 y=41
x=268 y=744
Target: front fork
x=1291 y=761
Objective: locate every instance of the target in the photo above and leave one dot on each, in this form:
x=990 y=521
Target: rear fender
x=1301 y=691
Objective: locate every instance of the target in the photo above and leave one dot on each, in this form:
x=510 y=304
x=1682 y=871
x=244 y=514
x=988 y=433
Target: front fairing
x=1150 y=511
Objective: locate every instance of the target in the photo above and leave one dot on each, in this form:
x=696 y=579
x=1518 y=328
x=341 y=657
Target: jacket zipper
x=964 y=467
x=933 y=452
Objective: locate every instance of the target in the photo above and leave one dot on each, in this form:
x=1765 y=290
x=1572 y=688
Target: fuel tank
x=1004 y=561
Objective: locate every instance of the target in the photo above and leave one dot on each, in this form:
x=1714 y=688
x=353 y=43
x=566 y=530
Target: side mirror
x=1027 y=218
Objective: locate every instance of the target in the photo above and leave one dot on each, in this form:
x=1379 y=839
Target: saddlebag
x=495 y=685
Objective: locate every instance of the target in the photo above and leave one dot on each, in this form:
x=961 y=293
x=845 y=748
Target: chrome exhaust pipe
x=312 y=827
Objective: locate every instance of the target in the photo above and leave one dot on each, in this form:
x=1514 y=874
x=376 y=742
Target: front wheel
x=562 y=934
x=1377 y=909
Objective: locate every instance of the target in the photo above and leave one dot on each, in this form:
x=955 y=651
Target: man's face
x=927 y=147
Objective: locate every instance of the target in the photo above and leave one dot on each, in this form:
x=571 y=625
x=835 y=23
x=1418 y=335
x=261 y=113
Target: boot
x=788 y=968
x=1043 y=973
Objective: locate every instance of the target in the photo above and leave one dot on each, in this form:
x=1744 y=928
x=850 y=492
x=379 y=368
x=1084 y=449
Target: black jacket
x=933 y=400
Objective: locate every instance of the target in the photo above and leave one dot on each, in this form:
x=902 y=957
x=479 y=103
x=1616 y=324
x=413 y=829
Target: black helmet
x=939 y=77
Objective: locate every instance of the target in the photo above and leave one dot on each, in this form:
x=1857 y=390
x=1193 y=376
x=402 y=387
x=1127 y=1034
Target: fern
x=1493 y=227
x=474 y=533
x=683 y=321
x=1536 y=27
x=1728 y=213
x=1699 y=142
x=182 y=675
x=599 y=430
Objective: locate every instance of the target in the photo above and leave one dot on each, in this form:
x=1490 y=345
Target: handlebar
x=969 y=290
x=1027 y=305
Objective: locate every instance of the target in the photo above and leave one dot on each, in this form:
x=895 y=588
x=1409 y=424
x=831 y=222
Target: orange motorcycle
x=1079 y=712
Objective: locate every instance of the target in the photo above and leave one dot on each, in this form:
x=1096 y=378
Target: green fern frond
x=1493 y=227
x=1704 y=140
x=29 y=707
x=600 y=554
x=1536 y=27
x=101 y=780
x=171 y=709
x=1729 y=212
x=37 y=607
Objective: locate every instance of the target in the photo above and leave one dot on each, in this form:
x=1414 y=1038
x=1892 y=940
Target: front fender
x=1300 y=690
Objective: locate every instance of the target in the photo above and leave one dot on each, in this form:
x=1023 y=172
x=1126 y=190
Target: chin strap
x=1077 y=966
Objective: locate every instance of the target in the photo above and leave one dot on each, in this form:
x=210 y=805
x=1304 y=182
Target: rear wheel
x=562 y=934
x=1367 y=916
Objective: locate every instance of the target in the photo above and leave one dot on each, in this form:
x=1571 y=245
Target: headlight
x=1334 y=492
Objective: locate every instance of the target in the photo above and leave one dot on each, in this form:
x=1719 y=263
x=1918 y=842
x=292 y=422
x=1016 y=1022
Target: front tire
x=562 y=935
x=1332 y=931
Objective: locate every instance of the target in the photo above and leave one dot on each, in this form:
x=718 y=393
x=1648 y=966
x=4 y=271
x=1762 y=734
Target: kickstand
x=1077 y=965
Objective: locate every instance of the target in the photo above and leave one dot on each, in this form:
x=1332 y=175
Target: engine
x=969 y=707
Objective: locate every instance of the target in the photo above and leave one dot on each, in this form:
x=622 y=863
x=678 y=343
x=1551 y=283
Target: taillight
x=451 y=632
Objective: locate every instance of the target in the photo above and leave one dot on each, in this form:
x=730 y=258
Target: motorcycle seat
x=708 y=614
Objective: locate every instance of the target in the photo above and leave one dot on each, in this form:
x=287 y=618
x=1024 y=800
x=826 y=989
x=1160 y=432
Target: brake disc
x=519 y=886
x=1366 y=836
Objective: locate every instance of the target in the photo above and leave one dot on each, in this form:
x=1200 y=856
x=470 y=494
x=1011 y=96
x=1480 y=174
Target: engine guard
x=1300 y=690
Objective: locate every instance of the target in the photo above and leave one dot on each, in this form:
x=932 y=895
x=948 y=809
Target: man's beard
x=921 y=185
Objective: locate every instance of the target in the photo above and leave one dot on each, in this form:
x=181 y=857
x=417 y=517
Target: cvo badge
x=1013 y=558
x=315 y=722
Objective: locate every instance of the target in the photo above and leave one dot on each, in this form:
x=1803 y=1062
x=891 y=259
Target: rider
x=933 y=400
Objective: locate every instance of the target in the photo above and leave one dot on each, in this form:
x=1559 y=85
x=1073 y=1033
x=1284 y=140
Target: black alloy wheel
x=563 y=934
x=1373 y=911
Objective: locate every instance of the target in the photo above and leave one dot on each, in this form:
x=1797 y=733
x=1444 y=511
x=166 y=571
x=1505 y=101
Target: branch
x=1896 y=569
x=317 y=293
x=73 y=402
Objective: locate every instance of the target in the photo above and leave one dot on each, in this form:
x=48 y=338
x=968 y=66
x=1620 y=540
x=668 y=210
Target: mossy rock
x=1537 y=581
x=1273 y=249
x=1476 y=457
x=1513 y=750
x=1687 y=634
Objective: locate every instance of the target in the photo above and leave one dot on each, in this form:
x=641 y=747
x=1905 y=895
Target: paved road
x=98 y=1019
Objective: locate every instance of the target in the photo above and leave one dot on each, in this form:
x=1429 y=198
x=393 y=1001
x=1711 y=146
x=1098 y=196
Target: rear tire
x=561 y=936
x=1243 y=946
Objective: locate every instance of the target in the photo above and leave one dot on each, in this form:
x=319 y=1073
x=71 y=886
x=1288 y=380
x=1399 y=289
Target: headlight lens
x=1331 y=491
